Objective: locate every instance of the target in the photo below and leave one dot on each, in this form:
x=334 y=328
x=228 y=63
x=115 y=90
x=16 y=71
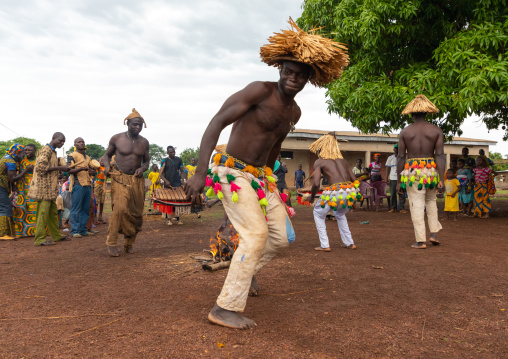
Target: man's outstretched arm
x=231 y=111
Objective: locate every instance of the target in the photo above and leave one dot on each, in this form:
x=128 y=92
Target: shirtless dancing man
x=127 y=184
x=418 y=174
x=339 y=196
x=262 y=114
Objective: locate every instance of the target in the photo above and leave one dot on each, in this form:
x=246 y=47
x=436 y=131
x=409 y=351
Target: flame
x=223 y=249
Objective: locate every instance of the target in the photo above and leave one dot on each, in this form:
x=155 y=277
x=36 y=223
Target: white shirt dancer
x=339 y=196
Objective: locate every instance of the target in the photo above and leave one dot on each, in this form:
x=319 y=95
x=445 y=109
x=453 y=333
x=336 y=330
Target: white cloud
x=79 y=67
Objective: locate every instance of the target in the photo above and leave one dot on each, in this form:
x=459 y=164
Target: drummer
x=81 y=188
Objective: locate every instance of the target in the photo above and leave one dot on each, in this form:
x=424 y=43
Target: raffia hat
x=420 y=104
x=327 y=57
x=326 y=147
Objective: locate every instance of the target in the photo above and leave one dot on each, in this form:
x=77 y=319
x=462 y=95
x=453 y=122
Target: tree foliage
x=92 y=150
x=157 y=153
x=189 y=153
x=498 y=156
x=454 y=52
x=21 y=140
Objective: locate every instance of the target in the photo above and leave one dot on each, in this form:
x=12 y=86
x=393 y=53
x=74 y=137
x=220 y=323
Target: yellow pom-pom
x=210 y=192
x=220 y=195
x=235 y=197
x=230 y=162
x=217 y=158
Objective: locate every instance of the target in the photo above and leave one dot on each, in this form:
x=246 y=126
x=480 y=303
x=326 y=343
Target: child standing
x=465 y=177
x=452 y=186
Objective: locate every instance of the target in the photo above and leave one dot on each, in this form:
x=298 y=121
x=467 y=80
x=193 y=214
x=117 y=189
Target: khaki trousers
x=260 y=239
x=418 y=202
x=46 y=217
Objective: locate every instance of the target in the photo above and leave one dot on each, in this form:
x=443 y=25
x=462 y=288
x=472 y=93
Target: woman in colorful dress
x=24 y=212
x=482 y=205
x=8 y=175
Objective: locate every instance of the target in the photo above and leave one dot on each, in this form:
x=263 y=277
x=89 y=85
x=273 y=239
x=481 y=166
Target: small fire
x=224 y=244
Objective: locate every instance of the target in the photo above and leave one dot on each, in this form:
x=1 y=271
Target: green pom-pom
x=322 y=206
x=343 y=206
x=420 y=186
x=358 y=196
x=209 y=172
x=230 y=178
x=427 y=185
x=410 y=184
x=255 y=185
x=216 y=178
x=210 y=192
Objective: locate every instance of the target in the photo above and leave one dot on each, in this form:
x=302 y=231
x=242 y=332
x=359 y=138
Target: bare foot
x=113 y=251
x=254 y=287
x=229 y=319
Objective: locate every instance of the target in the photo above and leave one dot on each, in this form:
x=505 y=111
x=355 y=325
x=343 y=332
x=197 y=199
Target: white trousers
x=418 y=202
x=260 y=238
x=340 y=215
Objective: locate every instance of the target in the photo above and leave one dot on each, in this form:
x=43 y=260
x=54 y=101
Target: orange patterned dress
x=25 y=210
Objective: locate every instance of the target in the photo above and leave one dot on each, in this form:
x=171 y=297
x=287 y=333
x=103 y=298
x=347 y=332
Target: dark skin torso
x=421 y=140
x=132 y=158
x=262 y=115
x=335 y=171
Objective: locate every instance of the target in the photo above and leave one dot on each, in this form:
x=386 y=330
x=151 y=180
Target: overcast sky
x=79 y=67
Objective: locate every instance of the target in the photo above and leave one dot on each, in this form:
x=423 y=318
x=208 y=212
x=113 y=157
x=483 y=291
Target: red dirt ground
x=383 y=300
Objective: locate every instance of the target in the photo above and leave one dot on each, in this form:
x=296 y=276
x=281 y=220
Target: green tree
x=454 y=52
x=157 y=153
x=21 y=140
x=92 y=150
x=498 y=156
x=189 y=153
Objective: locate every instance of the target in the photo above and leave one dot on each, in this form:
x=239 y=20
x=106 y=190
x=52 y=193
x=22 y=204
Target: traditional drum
x=171 y=201
x=94 y=164
x=300 y=192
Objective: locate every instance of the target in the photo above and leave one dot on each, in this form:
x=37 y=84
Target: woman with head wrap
x=9 y=165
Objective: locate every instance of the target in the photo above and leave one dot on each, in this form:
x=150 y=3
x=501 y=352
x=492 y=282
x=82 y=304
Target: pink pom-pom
x=262 y=183
x=284 y=197
x=209 y=181
x=291 y=211
x=234 y=187
x=261 y=193
x=218 y=187
x=424 y=181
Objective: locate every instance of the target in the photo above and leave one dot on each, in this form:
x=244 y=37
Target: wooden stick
x=62 y=317
x=99 y=326
x=303 y=291
x=216 y=266
x=424 y=320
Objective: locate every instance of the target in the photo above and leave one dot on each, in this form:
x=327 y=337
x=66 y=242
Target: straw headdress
x=221 y=148
x=327 y=148
x=420 y=104
x=134 y=114
x=327 y=57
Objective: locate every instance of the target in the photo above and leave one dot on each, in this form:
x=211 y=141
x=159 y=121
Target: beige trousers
x=260 y=239
x=418 y=202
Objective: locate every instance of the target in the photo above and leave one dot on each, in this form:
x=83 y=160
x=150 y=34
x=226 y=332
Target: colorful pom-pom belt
x=419 y=170
x=342 y=194
x=257 y=175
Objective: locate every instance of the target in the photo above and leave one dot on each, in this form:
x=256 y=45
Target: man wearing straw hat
x=132 y=158
x=339 y=196
x=420 y=168
x=262 y=114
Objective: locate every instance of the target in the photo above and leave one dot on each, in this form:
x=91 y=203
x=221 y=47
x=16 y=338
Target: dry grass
x=420 y=104
x=327 y=147
x=327 y=57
